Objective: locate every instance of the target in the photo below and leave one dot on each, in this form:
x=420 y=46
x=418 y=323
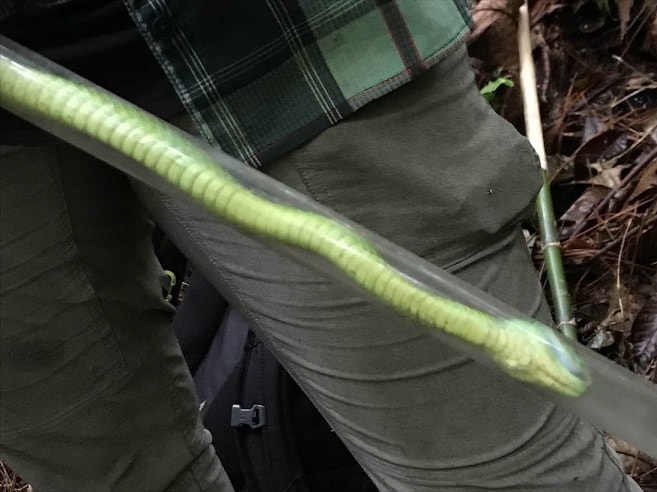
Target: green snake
x=526 y=350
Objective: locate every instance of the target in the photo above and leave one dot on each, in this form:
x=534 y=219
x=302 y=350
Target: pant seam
x=80 y=260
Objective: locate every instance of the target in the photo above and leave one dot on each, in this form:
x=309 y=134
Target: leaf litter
x=596 y=67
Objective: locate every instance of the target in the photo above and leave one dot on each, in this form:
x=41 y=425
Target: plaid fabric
x=261 y=77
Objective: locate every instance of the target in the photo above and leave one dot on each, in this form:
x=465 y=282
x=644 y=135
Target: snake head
x=543 y=357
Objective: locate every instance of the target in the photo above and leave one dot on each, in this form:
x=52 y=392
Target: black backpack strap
x=267 y=434
x=219 y=380
x=244 y=407
x=270 y=461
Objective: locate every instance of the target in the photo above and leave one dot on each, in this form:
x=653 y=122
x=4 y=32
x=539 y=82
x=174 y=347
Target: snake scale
x=526 y=350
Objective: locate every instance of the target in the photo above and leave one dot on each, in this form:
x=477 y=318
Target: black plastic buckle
x=254 y=417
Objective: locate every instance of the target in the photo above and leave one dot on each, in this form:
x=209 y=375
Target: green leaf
x=489 y=90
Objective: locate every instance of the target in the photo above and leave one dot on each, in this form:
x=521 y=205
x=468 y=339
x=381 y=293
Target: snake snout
x=568 y=358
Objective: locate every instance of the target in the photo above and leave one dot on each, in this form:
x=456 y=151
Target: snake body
x=526 y=350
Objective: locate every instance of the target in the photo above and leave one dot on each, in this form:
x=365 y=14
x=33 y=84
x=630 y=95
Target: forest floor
x=596 y=64
x=596 y=69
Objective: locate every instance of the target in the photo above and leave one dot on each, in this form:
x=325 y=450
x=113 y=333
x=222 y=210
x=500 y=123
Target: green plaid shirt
x=261 y=77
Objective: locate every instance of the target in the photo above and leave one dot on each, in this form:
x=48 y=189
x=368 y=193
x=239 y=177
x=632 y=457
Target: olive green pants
x=94 y=394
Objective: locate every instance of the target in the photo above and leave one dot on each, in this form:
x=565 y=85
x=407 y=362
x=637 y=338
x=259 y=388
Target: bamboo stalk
x=547 y=222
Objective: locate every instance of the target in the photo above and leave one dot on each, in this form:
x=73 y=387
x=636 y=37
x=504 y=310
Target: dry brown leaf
x=647 y=180
x=493 y=38
x=603 y=146
x=608 y=178
x=644 y=333
x=489 y=12
x=650 y=41
x=601 y=339
x=580 y=209
x=624 y=9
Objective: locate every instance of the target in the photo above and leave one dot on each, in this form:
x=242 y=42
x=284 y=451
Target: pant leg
x=94 y=392
x=432 y=168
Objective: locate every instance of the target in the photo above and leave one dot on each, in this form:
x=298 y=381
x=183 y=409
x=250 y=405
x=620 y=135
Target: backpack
x=267 y=433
